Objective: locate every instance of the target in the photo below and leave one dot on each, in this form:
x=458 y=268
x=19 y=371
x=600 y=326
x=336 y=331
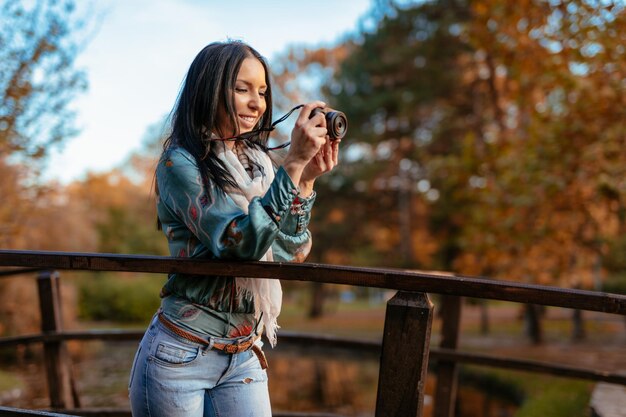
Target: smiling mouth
x=249 y=119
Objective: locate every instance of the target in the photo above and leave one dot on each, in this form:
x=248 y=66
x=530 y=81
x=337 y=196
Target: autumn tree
x=38 y=80
x=120 y=213
x=556 y=188
x=119 y=205
x=489 y=133
x=394 y=79
x=39 y=42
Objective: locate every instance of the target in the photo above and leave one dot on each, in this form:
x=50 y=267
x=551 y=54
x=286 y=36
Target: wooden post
x=447 y=371
x=55 y=352
x=404 y=358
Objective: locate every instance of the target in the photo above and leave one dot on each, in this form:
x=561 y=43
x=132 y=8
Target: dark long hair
x=208 y=85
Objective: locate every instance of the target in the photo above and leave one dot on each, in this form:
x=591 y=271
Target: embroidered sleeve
x=293 y=242
x=288 y=248
x=298 y=216
x=217 y=222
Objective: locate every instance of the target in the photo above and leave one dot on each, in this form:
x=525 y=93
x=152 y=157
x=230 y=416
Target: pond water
x=320 y=381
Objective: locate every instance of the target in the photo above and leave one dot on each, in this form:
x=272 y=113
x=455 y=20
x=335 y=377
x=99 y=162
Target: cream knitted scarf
x=253 y=171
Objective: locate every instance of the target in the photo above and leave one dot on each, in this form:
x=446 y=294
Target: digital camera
x=336 y=122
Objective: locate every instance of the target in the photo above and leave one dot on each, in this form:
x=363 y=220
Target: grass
x=548 y=396
x=543 y=395
x=8 y=381
x=119 y=297
x=359 y=319
x=566 y=398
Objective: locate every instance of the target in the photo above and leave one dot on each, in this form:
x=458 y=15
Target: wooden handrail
x=18 y=412
x=449 y=284
x=17 y=271
x=407 y=322
x=113 y=412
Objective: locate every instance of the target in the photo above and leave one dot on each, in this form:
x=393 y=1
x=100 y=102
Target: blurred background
x=486 y=138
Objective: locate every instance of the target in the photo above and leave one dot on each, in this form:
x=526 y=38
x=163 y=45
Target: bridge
x=405 y=350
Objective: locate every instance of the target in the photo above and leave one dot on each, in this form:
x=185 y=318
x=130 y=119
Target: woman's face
x=249 y=96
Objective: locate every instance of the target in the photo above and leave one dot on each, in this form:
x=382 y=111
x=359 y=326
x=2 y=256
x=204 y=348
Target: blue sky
x=138 y=57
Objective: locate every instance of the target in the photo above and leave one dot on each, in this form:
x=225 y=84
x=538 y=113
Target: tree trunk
x=578 y=328
x=484 y=318
x=532 y=323
x=317 y=300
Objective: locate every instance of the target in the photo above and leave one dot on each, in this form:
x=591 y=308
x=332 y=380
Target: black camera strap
x=248 y=135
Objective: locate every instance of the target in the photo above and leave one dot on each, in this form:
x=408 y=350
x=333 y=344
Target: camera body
x=336 y=122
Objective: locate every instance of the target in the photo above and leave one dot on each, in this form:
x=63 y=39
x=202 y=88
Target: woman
x=223 y=195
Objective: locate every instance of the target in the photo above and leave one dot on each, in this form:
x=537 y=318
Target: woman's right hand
x=307 y=137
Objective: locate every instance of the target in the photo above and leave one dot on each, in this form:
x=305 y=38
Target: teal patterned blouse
x=212 y=226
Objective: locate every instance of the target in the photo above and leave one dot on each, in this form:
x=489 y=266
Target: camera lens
x=337 y=124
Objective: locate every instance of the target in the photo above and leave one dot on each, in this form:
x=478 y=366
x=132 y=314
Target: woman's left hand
x=324 y=161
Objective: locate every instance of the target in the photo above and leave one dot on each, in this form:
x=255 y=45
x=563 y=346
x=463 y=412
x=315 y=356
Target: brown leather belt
x=231 y=348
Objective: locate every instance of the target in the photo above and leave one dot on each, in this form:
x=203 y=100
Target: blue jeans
x=172 y=376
